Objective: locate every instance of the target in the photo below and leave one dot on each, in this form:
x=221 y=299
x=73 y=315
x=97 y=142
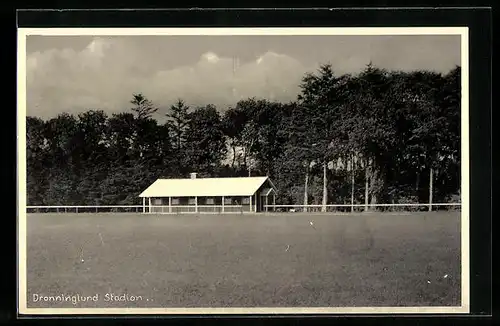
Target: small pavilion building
x=209 y=195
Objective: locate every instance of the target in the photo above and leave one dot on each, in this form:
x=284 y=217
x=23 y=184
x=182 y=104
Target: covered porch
x=258 y=202
x=267 y=198
x=197 y=204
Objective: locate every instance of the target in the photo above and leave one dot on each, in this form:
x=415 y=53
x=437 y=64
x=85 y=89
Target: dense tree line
x=375 y=137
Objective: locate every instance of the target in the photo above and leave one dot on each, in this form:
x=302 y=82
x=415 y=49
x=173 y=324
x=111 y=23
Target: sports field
x=281 y=260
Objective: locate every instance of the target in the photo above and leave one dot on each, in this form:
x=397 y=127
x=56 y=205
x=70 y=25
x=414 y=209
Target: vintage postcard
x=243 y=170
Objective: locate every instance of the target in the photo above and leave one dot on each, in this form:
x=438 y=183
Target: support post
x=250 y=204
x=222 y=204
x=170 y=204
x=256 y=201
x=266 y=205
x=149 y=202
x=196 y=204
x=143 y=205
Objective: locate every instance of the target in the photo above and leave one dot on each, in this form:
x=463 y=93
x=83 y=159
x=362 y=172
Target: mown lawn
x=246 y=260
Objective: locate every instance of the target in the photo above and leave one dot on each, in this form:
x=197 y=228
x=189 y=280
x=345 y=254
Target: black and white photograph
x=219 y=170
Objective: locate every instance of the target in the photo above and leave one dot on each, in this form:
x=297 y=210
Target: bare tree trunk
x=246 y=152
x=325 y=192
x=367 y=185
x=352 y=184
x=234 y=156
x=373 y=186
x=417 y=187
x=431 y=177
x=305 y=190
x=245 y=157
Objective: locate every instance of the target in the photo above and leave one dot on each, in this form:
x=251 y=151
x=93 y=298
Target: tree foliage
x=143 y=107
x=387 y=129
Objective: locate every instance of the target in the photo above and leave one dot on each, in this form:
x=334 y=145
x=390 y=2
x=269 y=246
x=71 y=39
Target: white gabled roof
x=205 y=187
x=266 y=191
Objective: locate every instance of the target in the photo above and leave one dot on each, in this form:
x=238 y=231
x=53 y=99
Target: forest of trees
x=374 y=137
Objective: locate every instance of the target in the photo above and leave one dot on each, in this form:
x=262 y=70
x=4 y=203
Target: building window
x=210 y=201
x=175 y=201
x=157 y=201
x=228 y=201
x=246 y=201
x=191 y=201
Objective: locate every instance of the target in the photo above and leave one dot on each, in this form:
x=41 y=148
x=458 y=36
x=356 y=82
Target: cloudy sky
x=76 y=73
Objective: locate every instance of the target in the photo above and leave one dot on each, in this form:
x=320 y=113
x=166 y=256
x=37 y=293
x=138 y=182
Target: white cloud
x=106 y=73
x=108 y=70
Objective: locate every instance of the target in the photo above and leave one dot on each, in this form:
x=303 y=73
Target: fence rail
x=157 y=209
x=85 y=209
x=215 y=209
x=87 y=206
x=369 y=205
x=179 y=209
x=361 y=207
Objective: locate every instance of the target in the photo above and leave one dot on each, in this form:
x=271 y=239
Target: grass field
x=245 y=260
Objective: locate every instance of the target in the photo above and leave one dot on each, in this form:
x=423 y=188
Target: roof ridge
x=185 y=187
x=200 y=178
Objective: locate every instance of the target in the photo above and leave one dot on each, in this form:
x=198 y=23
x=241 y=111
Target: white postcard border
x=347 y=31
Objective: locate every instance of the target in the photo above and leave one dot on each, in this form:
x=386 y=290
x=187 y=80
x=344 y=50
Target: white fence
x=362 y=207
x=205 y=209
x=156 y=209
x=219 y=209
x=86 y=209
